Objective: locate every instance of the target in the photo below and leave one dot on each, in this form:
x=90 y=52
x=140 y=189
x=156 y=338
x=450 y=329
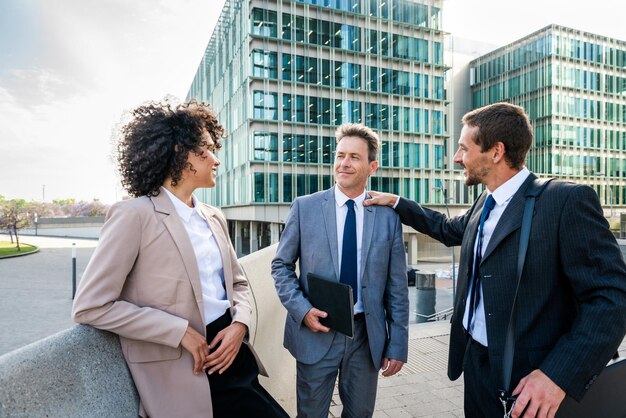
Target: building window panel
x=313 y=149
x=264 y=64
x=265 y=146
x=328 y=149
x=286 y=67
x=273 y=188
x=288 y=148
x=259 y=187
x=265 y=105
x=287 y=188
x=264 y=23
x=288 y=108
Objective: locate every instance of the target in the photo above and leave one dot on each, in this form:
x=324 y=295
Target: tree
x=94 y=208
x=14 y=216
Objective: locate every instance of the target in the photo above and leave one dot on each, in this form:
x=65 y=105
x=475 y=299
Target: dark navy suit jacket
x=571 y=313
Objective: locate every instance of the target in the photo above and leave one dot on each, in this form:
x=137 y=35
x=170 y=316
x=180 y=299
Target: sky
x=69 y=69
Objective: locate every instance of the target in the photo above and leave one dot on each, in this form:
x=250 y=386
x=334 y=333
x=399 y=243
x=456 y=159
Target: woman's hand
x=229 y=340
x=195 y=343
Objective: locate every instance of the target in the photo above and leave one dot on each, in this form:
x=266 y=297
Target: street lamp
x=445 y=203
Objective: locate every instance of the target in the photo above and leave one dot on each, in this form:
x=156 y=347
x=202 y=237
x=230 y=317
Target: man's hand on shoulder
x=537 y=396
x=381 y=199
x=312 y=320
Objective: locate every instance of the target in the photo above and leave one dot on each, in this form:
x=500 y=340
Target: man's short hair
x=363 y=132
x=506 y=123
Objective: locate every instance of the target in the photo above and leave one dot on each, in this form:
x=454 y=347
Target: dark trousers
x=237 y=393
x=481 y=396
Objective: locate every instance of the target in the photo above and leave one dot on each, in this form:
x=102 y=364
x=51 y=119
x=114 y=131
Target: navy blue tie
x=490 y=203
x=348 y=251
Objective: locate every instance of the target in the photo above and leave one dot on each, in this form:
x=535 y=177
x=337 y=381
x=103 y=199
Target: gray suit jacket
x=571 y=313
x=310 y=238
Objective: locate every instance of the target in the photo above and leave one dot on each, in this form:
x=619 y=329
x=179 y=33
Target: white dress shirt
x=341 y=210
x=208 y=257
x=502 y=195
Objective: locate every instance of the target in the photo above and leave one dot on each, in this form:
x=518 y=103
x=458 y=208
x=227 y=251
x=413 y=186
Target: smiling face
x=202 y=168
x=475 y=163
x=352 y=167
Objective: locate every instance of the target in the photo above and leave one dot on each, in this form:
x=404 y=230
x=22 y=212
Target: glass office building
x=573 y=86
x=282 y=75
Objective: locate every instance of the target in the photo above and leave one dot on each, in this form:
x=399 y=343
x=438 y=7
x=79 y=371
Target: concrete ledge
x=267 y=328
x=76 y=373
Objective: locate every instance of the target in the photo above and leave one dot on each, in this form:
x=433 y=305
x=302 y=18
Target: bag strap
x=534 y=190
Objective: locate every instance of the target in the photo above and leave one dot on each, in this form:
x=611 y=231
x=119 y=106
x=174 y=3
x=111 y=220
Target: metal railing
x=437 y=316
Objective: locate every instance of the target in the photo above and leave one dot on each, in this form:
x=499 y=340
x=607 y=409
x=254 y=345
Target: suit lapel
x=174 y=226
x=511 y=219
x=330 y=223
x=369 y=222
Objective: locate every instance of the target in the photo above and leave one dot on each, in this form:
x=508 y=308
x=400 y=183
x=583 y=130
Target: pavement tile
x=398 y=413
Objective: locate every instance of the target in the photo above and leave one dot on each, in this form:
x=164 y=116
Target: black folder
x=605 y=398
x=336 y=300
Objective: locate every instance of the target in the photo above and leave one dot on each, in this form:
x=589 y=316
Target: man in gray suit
x=571 y=305
x=331 y=234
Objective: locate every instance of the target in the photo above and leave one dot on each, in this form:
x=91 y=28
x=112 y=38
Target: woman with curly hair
x=165 y=277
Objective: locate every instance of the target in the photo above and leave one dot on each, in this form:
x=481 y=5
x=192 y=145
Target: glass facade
x=572 y=85
x=283 y=75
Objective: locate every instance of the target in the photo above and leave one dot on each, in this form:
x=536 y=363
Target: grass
x=6 y=248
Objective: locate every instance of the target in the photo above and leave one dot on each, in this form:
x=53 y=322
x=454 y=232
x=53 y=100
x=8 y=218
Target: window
x=264 y=23
x=287 y=188
x=377 y=116
x=265 y=146
x=265 y=105
x=286 y=67
x=259 y=187
x=287 y=108
x=264 y=64
x=347 y=75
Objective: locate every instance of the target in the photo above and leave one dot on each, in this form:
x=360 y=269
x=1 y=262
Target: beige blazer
x=142 y=283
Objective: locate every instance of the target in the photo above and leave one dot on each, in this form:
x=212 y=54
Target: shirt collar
x=510 y=187
x=341 y=198
x=184 y=211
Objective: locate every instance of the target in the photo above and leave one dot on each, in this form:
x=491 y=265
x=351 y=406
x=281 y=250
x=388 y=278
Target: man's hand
x=381 y=199
x=195 y=343
x=229 y=340
x=538 y=396
x=312 y=320
x=391 y=366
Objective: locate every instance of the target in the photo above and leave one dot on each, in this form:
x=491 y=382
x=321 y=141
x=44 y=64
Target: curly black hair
x=156 y=142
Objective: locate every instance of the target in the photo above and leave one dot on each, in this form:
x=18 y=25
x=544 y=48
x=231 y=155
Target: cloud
x=91 y=61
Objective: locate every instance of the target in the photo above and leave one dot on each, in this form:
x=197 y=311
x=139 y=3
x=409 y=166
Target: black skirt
x=237 y=393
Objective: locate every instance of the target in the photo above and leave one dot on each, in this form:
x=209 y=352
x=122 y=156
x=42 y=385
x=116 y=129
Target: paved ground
x=35 y=302
x=36 y=290
x=422 y=388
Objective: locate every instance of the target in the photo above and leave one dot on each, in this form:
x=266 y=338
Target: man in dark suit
x=318 y=238
x=571 y=312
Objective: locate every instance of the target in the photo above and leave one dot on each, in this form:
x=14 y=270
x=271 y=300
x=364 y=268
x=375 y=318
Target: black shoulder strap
x=533 y=190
